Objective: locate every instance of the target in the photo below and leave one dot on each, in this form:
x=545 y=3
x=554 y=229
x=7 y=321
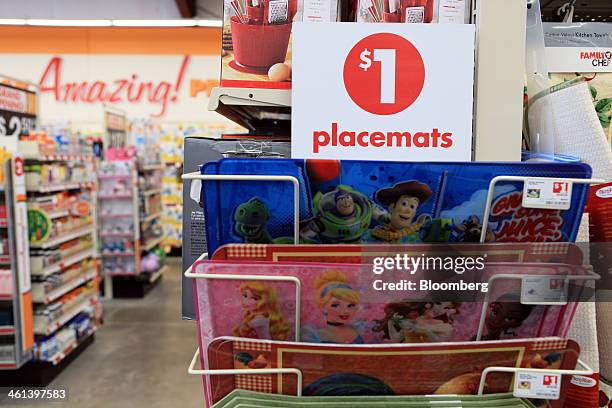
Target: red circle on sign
x=384 y=73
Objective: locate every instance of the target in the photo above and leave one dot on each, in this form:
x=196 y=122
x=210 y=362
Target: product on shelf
x=119 y=208
x=412 y=369
x=263 y=400
x=6 y=283
x=349 y=304
x=385 y=202
x=63 y=341
x=414 y=11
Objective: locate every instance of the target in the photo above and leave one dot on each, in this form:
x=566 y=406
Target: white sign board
x=382 y=91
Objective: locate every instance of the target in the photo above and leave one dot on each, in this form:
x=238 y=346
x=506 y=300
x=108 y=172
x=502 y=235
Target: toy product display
x=384 y=202
x=331 y=369
x=342 y=303
x=541 y=252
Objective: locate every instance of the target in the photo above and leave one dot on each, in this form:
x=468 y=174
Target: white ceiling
x=89 y=9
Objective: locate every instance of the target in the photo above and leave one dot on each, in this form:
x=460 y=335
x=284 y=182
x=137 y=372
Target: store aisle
x=140 y=355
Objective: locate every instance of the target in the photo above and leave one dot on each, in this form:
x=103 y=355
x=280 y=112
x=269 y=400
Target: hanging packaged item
x=414 y=11
x=260 y=32
x=329 y=369
x=579 y=57
x=390 y=202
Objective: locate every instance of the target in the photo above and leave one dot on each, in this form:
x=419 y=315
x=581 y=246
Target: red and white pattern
x=254 y=382
x=553 y=344
x=252 y=345
x=550 y=248
x=247 y=251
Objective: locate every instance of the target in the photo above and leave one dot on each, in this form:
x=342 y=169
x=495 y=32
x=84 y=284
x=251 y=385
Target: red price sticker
x=384 y=73
x=19 y=166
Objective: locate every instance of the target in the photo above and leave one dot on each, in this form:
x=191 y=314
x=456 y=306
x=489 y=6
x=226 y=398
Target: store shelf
x=105 y=216
x=151 y=167
x=64 y=238
x=71 y=260
x=7 y=330
x=38 y=295
x=58 y=214
x=153 y=277
x=61 y=355
x=152 y=243
x=112 y=254
x=118 y=274
x=8 y=364
x=151 y=217
x=117 y=235
x=50 y=188
x=115 y=196
x=259 y=110
x=151 y=192
x=49 y=328
x=115 y=177
x=59 y=157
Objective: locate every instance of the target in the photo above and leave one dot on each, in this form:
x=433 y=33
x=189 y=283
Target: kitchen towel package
x=580 y=99
x=346 y=202
x=576 y=125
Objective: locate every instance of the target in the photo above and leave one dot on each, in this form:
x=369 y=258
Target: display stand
x=171 y=147
x=129 y=215
x=16 y=335
x=268 y=112
x=62 y=262
x=270 y=178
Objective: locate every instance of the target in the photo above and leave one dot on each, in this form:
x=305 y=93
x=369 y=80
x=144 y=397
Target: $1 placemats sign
x=382 y=91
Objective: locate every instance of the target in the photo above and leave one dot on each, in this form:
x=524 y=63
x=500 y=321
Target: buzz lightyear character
x=341 y=216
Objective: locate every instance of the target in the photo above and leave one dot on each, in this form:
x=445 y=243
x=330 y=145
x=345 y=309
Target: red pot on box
x=259 y=46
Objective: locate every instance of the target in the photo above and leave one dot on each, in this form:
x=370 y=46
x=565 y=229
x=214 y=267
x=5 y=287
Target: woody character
x=402 y=201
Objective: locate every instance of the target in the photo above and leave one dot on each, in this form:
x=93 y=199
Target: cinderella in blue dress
x=339 y=303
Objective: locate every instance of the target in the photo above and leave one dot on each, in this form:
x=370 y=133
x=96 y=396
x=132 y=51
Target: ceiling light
x=108 y=23
x=67 y=23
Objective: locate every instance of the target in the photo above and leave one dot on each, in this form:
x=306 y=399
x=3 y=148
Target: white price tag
x=551 y=194
x=537 y=290
x=544 y=385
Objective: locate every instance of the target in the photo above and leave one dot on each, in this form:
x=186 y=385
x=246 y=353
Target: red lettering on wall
x=129 y=90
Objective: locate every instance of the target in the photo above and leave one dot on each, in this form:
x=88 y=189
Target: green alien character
x=251 y=222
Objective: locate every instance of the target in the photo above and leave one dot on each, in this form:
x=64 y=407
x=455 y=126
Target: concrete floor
x=140 y=355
